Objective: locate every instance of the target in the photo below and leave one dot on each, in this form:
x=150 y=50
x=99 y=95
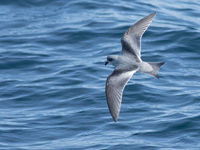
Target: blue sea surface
x=52 y=76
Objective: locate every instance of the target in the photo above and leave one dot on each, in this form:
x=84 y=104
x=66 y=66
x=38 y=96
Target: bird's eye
x=110 y=59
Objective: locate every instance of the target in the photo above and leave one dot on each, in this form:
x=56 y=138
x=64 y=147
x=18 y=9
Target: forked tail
x=156 y=67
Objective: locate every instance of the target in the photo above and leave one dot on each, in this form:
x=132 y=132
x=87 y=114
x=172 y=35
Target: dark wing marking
x=114 y=89
x=131 y=40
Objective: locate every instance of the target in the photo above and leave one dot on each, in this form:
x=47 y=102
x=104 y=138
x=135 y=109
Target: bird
x=128 y=63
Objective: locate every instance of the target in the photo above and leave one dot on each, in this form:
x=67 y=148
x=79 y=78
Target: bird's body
x=123 y=62
x=127 y=64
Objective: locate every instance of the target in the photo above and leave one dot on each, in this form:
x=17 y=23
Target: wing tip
x=153 y=14
x=114 y=115
x=115 y=119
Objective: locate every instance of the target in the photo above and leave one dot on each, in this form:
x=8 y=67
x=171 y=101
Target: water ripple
x=53 y=75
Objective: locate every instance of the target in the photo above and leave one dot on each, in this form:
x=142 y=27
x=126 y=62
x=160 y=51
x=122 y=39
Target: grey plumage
x=127 y=64
x=131 y=40
x=114 y=88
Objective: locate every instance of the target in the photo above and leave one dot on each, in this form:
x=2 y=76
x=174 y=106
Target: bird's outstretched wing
x=114 y=89
x=131 y=40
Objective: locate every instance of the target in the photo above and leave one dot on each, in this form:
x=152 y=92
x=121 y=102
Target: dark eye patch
x=110 y=59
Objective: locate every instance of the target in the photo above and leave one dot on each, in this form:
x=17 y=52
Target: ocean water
x=52 y=76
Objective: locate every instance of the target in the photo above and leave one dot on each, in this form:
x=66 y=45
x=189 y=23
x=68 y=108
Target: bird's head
x=112 y=59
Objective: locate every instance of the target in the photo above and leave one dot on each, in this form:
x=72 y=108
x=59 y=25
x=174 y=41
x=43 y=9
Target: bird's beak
x=106 y=62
